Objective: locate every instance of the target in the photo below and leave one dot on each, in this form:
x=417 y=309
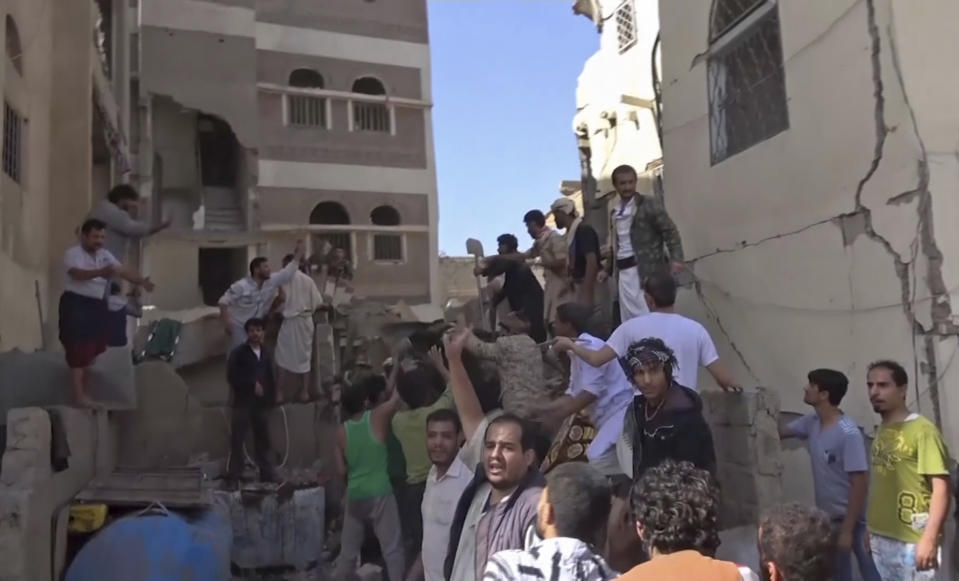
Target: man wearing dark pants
x=250 y=375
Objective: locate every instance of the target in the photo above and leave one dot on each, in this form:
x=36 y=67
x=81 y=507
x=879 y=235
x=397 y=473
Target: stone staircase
x=222 y=209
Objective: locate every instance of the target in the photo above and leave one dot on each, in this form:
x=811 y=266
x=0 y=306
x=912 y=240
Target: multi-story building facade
x=263 y=121
x=67 y=106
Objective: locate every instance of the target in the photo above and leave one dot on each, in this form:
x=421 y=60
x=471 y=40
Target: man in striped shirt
x=571 y=518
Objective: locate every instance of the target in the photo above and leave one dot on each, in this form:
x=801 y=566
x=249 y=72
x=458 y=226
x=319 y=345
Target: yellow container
x=87 y=518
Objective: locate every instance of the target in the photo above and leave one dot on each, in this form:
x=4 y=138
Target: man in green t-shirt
x=909 y=487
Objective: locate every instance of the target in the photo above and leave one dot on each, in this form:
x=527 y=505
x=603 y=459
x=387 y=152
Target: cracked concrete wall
x=828 y=244
x=33 y=497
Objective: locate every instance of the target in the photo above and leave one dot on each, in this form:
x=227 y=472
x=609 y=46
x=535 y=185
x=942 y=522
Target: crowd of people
x=466 y=463
x=615 y=477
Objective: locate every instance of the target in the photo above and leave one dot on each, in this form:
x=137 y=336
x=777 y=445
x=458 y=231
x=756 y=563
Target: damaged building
x=262 y=122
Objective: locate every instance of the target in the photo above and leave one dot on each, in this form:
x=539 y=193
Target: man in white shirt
x=685 y=337
x=447 y=479
x=604 y=391
x=252 y=297
x=83 y=314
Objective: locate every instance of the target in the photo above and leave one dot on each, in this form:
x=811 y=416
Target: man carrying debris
x=550 y=246
x=294 y=346
x=83 y=305
x=116 y=211
x=253 y=296
x=520 y=287
x=252 y=389
x=519 y=363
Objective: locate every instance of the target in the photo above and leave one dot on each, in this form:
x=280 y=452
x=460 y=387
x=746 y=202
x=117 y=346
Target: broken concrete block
x=272 y=529
x=26 y=460
x=14 y=520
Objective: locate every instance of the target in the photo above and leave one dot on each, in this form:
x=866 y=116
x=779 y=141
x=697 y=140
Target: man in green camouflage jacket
x=642 y=238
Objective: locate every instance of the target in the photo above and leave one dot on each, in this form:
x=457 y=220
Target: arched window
x=306 y=110
x=329 y=213
x=368 y=86
x=324 y=243
x=308 y=78
x=386 y=247
x=369 y=116
x=14 y=48
x=385 y=216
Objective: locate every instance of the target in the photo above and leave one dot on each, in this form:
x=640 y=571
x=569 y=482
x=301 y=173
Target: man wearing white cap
x=583 y=250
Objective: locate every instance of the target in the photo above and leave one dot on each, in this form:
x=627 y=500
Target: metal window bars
x=747 y=90
x=12 y=142
x=626 y=25
x=306 y=111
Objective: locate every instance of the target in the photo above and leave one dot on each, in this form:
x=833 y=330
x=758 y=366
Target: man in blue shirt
x=839 y=467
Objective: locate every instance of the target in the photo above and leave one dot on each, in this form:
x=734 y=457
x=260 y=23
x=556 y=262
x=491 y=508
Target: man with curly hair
x=796 y=543
x=676 y=507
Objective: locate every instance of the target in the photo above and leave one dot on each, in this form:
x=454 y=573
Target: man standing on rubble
x=249 y=372
x=583 y=264
x=643 y=240
x=83 y=313
x=520 y=287
x=550 y=246
x=294 y=346
x=253 y=296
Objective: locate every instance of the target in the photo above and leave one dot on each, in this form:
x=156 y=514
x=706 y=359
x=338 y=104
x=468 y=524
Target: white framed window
x=370 y=116
x=13 y=143
x=626 y=25
x=745 y=77
x=307 y=111
x=388 y=247
x=302 y=110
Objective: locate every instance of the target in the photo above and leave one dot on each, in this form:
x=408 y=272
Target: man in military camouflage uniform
x=519 y=362
x=643 y=240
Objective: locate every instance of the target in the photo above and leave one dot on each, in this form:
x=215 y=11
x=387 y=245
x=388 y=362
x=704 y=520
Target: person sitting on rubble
x=250 y=375
x=83 y=312
x=361 y=455
x=519 y=362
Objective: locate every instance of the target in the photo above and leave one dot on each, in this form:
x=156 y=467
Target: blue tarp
x=157 y=547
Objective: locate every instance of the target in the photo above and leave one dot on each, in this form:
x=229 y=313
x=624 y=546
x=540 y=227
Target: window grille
x=747 y=90
x=371 y=117
x=388 y=247
x=728 y=13
x=12 y=142
x=626 y=25
x=306 y=111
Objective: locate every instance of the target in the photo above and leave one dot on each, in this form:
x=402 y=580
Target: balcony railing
x=307 y=107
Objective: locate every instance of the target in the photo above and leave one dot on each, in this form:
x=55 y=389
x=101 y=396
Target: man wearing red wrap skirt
x=83 y=304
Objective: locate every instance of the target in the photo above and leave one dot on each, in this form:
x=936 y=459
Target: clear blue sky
x=504 y=82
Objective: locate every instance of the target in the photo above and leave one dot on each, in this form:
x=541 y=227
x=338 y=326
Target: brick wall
x=745 y=433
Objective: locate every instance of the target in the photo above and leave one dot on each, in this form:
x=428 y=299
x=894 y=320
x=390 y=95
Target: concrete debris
x=272 y=532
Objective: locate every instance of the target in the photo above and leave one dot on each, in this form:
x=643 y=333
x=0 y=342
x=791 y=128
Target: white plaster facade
x=615 y=99
x=831 y=243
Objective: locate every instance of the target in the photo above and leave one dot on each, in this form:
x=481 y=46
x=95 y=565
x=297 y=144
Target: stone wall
x=745 y=433
x=35 y=500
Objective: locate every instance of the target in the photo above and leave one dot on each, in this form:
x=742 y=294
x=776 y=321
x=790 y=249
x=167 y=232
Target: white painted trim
x=198 y=16
x=344 y=95
x=392 y=112
x=371 y=251
x=412 y=228
x=328 y=105
x=349 y=115
x=352 y=47
x=343 y=177
x=285 y=109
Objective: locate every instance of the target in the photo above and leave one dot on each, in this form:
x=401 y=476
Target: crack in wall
x=722 y=328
